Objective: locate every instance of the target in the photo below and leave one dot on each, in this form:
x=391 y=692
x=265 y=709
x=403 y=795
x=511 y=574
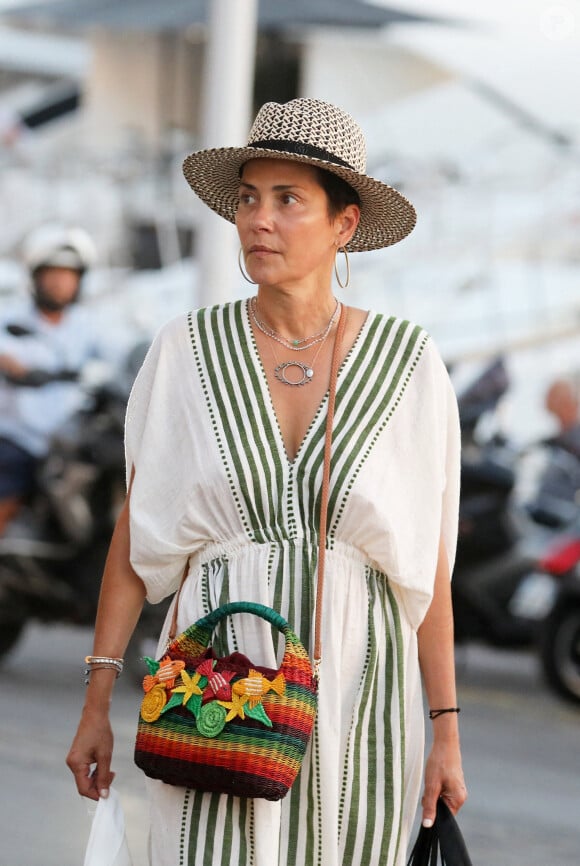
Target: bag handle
x=269 y=614
x=451 y=842
x=317 y=657
x=443 y=842
x=186 y=646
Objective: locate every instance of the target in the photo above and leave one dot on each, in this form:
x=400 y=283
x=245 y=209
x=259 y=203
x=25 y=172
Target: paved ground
x=521 y=751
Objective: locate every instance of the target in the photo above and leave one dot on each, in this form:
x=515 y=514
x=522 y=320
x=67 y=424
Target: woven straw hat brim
x=386 y=215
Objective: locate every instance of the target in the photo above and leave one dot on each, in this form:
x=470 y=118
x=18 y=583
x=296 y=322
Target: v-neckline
x=266 y=393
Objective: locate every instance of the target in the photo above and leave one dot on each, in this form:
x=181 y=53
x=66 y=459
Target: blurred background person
x=45 y=340
x=558 y=494
x=562 y=402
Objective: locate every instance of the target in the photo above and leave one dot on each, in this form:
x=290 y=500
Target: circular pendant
x=306 y=373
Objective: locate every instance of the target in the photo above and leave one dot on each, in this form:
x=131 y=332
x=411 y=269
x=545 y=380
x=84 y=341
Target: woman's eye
x=246 y=198
x=288 y=198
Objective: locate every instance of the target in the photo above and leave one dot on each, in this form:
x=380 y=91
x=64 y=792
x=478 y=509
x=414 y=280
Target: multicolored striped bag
x=224 y=724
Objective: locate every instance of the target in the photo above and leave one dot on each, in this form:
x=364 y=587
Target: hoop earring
x=336 y=274
x=241 y=267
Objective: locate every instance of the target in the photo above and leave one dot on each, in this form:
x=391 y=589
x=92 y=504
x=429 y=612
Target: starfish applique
x=190 y=686
x=235 y=707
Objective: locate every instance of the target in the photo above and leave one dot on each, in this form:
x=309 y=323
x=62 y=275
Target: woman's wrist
x=445 y=728
x=99 y=691
x=436 y=713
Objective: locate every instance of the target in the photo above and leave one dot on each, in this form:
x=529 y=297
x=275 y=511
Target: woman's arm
x=120 y=604
x=443 y=773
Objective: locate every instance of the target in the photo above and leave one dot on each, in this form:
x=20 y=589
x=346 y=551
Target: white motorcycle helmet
x=58 y=247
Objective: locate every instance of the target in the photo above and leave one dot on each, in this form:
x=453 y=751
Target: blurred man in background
x=45 y=340
x=562 y=402
x=559 y=484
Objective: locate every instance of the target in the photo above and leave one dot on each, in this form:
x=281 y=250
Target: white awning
x=43 y=54
x=527 y=53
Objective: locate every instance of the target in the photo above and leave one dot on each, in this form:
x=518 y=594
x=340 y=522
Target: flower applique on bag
x=226 y=725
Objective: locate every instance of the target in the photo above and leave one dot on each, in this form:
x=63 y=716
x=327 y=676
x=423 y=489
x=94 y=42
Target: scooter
x=498 y=543
x=557 y=507
x=53 y=552
x=560 y=634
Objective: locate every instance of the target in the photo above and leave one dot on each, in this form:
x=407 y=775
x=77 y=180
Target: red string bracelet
x=434 y=714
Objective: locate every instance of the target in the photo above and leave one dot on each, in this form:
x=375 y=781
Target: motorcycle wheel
x=10 y=633
x=560 y=652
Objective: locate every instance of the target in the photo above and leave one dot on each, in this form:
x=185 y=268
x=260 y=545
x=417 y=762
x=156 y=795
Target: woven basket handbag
x=227 y=725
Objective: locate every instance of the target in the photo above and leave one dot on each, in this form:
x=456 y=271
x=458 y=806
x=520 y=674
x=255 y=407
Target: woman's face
x=284 y=226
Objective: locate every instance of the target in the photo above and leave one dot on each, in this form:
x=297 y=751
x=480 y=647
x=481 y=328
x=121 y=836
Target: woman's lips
x=261 y=250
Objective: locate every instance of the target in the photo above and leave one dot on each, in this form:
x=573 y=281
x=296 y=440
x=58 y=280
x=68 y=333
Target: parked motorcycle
x=517 y=575
x=557 y=507
x=53 y=552
x=560 y=634
x=494 y=601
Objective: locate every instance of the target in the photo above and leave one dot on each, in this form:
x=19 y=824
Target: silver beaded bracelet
x=103 y=663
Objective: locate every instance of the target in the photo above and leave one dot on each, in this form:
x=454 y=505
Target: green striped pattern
x=372 y=777
x=353 y=818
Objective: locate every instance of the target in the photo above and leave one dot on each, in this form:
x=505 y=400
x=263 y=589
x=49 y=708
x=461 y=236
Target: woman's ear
x=347 y=223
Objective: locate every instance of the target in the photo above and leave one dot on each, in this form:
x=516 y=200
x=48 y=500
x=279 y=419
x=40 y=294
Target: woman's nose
x=262 y=215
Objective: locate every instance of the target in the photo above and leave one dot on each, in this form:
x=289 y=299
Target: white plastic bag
x=107 y=845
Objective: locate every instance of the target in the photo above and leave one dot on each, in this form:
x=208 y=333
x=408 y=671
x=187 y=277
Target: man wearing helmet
x=44 y=343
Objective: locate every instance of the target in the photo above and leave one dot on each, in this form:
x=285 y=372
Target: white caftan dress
x=213 y=487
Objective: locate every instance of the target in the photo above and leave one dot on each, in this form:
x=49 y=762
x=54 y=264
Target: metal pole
x=227 y=103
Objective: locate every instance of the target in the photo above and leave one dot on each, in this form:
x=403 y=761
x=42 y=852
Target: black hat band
x=300 y=149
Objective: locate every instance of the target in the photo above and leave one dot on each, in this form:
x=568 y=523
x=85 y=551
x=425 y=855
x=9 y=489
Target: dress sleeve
x=452 y=458
x=158 y=450
x=424 y=470
x=439 y=441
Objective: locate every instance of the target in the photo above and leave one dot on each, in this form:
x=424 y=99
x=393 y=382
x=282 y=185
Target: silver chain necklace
x=306 y=370
x=294 y=345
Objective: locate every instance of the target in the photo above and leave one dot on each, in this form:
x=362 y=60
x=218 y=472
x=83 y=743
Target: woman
x=225 y=433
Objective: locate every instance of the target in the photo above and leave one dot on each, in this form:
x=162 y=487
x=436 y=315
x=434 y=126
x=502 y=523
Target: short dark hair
x=338 y=192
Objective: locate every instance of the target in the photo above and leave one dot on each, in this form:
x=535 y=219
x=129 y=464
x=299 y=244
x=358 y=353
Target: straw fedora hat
x=315 y=133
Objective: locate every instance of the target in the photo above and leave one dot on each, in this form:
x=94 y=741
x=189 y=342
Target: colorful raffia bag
x=227 y=725
x=224 y=724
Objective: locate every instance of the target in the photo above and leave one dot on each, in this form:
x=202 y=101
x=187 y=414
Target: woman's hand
x=89 y=758
x=443 y=773
x=443 y=778
x=120 y=603
x=11 y=367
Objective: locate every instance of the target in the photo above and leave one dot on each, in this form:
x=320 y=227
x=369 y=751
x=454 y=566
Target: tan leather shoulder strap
x=326 y=487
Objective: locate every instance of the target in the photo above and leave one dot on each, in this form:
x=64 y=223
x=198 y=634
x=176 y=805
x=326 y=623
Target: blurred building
x=147 y=59
x=126 y=96
x=472 y=114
